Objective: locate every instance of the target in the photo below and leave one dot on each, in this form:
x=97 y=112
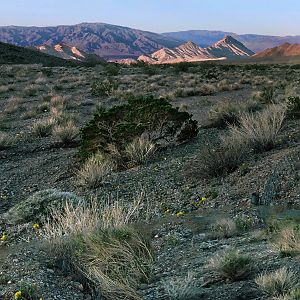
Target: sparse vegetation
x=94 y=170
x=149 y=116
x=278 y=283
x=6 y=140
x=100 y=245
x=232 y=265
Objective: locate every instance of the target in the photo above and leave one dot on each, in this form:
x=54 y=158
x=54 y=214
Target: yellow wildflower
x=3 y=237
x=18 y=295
x=36 y=226
x=167 y=211
x=179 y=214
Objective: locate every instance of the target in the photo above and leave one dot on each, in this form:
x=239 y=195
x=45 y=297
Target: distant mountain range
x=68 y=52
x=118 y=42
x=285 y=50
x=108 y=41
x=227 y=47
x=255 y=42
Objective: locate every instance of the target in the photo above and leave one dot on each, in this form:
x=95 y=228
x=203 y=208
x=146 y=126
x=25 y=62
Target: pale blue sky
x=276 y=17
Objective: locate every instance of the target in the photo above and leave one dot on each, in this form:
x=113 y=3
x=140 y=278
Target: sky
x=272 y=17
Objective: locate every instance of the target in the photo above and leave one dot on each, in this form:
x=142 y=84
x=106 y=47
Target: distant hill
x=105 y=40
x=285 y=50
x=226 y=48
x=254 y=42
x=11 y=54
x=68 y=52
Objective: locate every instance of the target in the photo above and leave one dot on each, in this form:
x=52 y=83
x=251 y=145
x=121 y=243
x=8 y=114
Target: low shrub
x=140 y=150
x=103 y=88
x=293 y=107
x=278 y=283
x=228 y=112
x=94 y=170
x=181 y=288
x=37 y=207
x=6 y=140
x=219 y=160
x=261 y=130
x=142 y=116
x=287 y=241
x=224 y=228
x=65 y=134
x=232 y=265
x=43 y=128
x=101 y=247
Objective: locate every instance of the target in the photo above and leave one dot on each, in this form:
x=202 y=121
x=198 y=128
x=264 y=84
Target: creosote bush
x=148 y=116
x=101 y=247
x=103 y=88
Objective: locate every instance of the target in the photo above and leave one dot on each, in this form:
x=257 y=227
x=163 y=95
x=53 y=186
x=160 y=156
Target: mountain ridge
x=284 y=50
x=104 y=40
x=226 y=48
x=254 y=42
x=68 y=52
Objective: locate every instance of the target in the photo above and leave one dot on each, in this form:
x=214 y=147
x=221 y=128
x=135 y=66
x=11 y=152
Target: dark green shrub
x=112 y=69
x=293 y=107
x=103 y=88
x=181 y=67
x=47 y=72
x=152 y=117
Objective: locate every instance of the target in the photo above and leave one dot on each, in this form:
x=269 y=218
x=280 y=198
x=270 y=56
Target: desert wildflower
x=179 y=214
x=18 y=295
x=36 y=226
x=3 y=237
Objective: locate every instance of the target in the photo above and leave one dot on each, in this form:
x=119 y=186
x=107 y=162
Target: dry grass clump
x=229 y=112
x=140 y=150
x=206 y=89
x=261 y=130
x=94 y=170
x=13 y=105
x=224 y=228
x=232 y=265
x=278 y=283
x=57 y=104
x=99 y=244
x=214 y=161
x=30 y=90
x=65 y=133
x=43 y=128
x=224 y=85
x=181 y=288
x=6 y=140
x=287 y=241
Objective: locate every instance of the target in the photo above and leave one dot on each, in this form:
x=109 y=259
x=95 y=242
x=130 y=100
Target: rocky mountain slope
x=227 y=47
x=68 y=52
x=230 y=48
x=255 y=42
x=284 y=50
x=11 y=54
x=108 y=41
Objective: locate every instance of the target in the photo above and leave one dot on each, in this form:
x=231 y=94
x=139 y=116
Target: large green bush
x=147 y=116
